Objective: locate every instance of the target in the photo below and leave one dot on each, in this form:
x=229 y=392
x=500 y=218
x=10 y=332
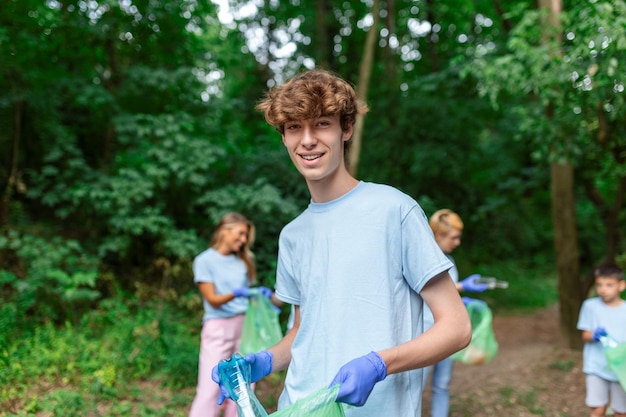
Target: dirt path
x=533 y=374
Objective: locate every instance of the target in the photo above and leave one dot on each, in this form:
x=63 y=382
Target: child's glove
x=358 y=377
x=260 y=366
x=598 y=333
x=471 y=284
x=242 y=292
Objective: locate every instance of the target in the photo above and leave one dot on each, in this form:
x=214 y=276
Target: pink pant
x=220 y=339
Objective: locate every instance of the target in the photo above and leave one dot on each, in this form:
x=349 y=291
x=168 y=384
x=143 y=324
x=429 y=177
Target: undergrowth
x=135 y=357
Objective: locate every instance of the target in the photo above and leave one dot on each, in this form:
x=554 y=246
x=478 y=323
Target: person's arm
x=207 y=289
x=451 y=332
x=592 y=336
x=275 y=300
x=281 y=351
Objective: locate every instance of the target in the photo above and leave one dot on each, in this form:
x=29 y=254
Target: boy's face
x=315 y=146
x=609 y=288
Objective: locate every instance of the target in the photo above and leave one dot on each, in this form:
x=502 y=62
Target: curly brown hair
x=309 y=95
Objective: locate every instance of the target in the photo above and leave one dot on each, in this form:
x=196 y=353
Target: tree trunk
x=13 y=172
x=564 y=208
x=323 y=44
x=365 y=73
x=566 y=245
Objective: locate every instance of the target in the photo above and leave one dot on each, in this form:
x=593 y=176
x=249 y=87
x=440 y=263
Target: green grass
x=130 y=357
x=108 y=365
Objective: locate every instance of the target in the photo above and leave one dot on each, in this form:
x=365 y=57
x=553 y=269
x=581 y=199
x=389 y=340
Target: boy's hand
x=358 y=377
x=598 y=333
x=260 y=366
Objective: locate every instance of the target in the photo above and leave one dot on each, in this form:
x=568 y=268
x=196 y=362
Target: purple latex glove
x=358 y=377
x=242 y=292
x=215 y=376
x=260 y=366
x=598 y=333
x=267 y=293
x=467 y=300
x=471 y=284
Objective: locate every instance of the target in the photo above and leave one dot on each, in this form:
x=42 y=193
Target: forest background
x=127 y=128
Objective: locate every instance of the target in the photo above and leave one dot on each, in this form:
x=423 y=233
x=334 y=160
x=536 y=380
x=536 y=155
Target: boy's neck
x=328 y=189
x=614 y=303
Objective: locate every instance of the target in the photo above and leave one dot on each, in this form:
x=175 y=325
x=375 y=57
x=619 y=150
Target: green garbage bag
x=261 y=328
x=616 y=357
x=483 y=346
x=319 y=404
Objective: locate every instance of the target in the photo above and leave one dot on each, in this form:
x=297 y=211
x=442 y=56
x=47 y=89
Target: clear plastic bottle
x=235 y=377
x=492 y=282
x=608 y=342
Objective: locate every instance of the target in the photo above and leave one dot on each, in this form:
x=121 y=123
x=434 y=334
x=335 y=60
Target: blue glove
x=598 y=333
x=242 y=292
x=358 y=377
x=267 y=293
x=470 y=284
x=467 y=300
x=260 y=366
x=215 y=376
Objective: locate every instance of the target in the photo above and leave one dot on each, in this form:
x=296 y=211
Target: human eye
x=324 y=122
x=292 y=126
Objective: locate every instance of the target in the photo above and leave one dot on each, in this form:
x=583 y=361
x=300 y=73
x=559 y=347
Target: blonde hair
x=443 y=220
x=310 y=95
x=228 y=221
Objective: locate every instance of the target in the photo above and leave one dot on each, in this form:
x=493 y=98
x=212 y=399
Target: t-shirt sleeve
x=286 y=287
x=584 y=318
x=202 y=270
x=422 y=258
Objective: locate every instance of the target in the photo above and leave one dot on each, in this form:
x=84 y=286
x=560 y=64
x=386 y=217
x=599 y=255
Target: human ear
x=346 y=135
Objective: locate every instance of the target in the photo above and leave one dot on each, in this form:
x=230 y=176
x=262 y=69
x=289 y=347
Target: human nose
x=308 y=137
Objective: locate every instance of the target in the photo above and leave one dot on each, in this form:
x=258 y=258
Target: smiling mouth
x=311 y=157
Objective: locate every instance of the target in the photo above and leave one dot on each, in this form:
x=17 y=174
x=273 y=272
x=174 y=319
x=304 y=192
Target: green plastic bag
x=319 y=404
x=483 y=346
x=616 y=357
x=261 y=328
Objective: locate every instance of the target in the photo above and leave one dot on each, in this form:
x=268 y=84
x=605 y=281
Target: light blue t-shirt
x=593 y=314
x=226 y=272
x=355 y=266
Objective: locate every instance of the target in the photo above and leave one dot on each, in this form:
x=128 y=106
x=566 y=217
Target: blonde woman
x=223 y=273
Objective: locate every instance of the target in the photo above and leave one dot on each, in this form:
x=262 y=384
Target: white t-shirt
x=226 y=272
x=355 y=266
x=593 y=314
